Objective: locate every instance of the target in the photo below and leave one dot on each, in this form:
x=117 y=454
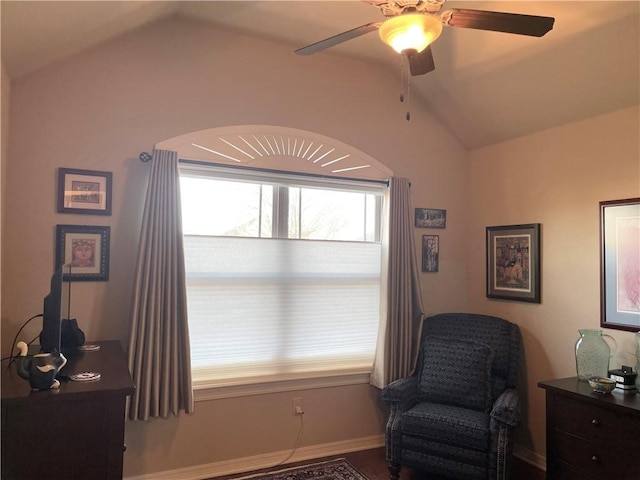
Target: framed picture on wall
x=620 y=264
x=86 y=249
x=430 y=218
x=513 y=262
x=84 y=191
x=430 y=253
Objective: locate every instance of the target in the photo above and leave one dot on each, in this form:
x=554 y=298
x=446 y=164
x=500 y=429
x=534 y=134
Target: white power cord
x=297 y=444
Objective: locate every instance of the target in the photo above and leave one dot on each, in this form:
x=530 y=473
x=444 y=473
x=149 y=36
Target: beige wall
x=556 y=178
x=5 y=87
x=100 y=109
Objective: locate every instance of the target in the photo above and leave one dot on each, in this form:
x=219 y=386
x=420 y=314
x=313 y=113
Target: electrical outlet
x=297 y=406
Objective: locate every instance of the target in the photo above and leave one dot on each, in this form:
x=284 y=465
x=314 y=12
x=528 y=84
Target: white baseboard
x=259 y=462
x=532 y=458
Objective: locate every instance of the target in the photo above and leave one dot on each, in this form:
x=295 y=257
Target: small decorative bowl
x=602 y=384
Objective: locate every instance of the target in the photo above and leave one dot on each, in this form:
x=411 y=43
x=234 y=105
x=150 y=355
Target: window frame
x=205 y=390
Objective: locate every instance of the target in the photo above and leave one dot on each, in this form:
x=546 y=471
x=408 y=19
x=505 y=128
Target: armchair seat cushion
x=446 y=463
x=448 y=424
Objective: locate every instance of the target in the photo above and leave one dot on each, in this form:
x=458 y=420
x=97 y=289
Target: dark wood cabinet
x=591 y=435
x=74 y=432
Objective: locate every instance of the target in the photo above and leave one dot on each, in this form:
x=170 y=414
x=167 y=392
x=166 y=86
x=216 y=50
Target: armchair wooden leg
x=394 y=470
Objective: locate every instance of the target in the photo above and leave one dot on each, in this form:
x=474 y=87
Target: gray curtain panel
x=159 y=352
x=403 y=312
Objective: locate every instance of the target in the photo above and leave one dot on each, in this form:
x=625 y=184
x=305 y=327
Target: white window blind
x=271 y=309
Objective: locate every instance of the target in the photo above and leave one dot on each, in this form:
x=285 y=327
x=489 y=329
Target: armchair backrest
x=502 y=336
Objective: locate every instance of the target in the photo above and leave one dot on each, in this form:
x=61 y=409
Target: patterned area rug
x=339 y=469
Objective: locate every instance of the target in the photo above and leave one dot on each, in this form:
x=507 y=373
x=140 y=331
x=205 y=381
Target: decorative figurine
x=39 y=369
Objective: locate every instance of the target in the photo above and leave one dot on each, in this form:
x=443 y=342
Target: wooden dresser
x=591 y=435
x=74 y=432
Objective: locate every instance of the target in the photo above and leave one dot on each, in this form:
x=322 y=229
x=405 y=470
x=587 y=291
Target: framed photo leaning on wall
x=620 y=264
x=84 y=191
x=513 y=262
x=86 y=249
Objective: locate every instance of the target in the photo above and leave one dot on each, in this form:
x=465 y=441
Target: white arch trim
x=279 y=148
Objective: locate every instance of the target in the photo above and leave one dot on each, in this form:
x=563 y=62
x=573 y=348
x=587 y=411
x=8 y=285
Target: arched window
x=283 y=256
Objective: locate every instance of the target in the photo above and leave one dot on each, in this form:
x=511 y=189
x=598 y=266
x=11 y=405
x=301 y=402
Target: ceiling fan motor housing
x=399 y=7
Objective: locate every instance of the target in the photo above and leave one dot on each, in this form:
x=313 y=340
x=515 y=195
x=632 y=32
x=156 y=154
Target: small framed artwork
x=620 y=264
x=430 y=253
x=84 y=191
x=85 y=248
x=513 y=262
x=431 y=218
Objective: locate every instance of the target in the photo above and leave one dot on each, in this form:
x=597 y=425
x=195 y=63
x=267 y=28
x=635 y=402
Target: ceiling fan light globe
x=410 y=31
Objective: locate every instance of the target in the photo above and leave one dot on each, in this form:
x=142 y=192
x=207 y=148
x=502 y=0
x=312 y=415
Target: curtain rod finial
x=144 y=157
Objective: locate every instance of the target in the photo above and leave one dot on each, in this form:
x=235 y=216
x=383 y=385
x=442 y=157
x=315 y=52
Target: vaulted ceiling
x=488 y=87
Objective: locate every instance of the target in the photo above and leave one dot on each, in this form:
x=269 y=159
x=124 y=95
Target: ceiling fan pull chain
x=405 y=80
x=402 y=69
x=408 y=97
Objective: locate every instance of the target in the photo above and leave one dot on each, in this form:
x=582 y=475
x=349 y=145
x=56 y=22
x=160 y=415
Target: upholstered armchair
x=455 y=415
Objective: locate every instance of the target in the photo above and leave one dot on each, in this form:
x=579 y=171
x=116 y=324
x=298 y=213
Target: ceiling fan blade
x=339 y=38
x=498 y=22
x=421 y=63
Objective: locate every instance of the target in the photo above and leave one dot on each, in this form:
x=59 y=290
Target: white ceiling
x=487 y=87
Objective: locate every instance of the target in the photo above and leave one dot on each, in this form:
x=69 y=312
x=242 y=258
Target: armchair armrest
x=399 y=396
x=401 y=393
x=506 y=410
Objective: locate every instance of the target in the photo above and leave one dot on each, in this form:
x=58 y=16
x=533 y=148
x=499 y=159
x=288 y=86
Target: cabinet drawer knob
x=595 y=459
x=595 y=422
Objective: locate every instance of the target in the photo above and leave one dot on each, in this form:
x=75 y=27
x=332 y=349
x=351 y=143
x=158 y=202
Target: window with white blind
x=283 y=274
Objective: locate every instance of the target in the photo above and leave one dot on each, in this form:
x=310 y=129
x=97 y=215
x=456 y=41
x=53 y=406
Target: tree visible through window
x=283 y=274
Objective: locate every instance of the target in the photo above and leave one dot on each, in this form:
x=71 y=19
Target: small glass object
x=593 y=354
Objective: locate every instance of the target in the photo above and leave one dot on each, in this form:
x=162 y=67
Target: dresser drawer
x=594 y=459
x=598 y=425
x=591 y=436
x=561 y=470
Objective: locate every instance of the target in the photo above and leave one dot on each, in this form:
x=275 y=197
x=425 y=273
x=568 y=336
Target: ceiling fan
x=413 y=25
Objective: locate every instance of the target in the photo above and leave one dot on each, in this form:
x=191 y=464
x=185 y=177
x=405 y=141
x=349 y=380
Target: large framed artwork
x=620 y=264
x=84 y=191
x=513 y=262
x=86 y=249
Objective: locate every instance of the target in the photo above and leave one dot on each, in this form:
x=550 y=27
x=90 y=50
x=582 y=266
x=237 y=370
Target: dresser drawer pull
x=595 y=459
x=595 y=422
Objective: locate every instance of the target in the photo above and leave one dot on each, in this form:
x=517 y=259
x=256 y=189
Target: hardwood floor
x=372 y=464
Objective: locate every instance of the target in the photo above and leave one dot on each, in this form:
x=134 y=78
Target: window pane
x=332 y=215
x=263 y=308
x=266 y=212
x=294 y=213
x=217 y=207
x=278 y=307
x=372 y=218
